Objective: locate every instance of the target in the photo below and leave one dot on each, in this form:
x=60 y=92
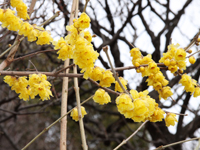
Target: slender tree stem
x=105 y=49
x=63 y=123
x=124 y=141
x=76 y=88
x=172 y=144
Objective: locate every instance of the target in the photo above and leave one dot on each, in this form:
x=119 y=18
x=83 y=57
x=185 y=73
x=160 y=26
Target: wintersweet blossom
x=152 y=71
x=20 y=7
x=158 y=115
x=175 y=58
x=118 y=87
x=39 y=86
x=97 y=73
x=74 y=113
x=192 y=59
x=107 y=79
x=36 y=85
x=101 y=97
x=188 y=83
x=170 y=119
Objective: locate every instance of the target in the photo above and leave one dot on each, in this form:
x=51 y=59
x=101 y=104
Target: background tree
x=150 y=26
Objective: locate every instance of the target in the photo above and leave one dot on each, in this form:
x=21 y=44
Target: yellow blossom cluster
x=77 y=45
x=101 y=97
x=20 y=7
x=105 y=77
x=174 y=58
x=118 y=87
x=190 y=85
x=74 y=113
x=149 y=68
x=170 y=119
x=32 y=32
x=142 y=108
x=36 y=85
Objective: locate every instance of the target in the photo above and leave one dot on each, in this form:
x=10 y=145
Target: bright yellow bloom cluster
x=150 y=69
x=174 y=58
x=20 y=7
x=142 y=108
x=36 y=85
x=170 y=119
x=101 y=97
x=74 y=113
x=105 y=77
x=19 y=85
x=32 y=32
x=39 y=86
x=77 y=45
x=118 y=87
x=190 y=85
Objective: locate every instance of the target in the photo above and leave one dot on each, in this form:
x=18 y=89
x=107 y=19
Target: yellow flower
x=181 y=64
x=101 y=97
x=173 y=69
x=97 y=73
x=124 y=103
x=139 y=107
x=170 y=119
x=158 y=115
x=180 y=54
x=192 y=60
x=25 y=94
x=188 y=83
x=152 y=68
x=71 y=37
x=107 y=79
x=20 y=84
x=44 y=38
x=118 y=87
x=25 y=29
x=87 y=36
x=84 y=21
x=39 y=85
x=65 y=52
x=20 y=7
x=135 y=53
x=32 y=36
x=59 y=43
x=197 y=91
x=10 y=80
x=74 y=113
x=134 y=94
x=165 y=92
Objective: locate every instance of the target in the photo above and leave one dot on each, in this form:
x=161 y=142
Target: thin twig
x=124 y=141
x=105 y=49
x=50 y=19
x=193 y=54
x=193 y=41
x=63 y=69
x=175 y=143
x=32 y=54
x=86 y=2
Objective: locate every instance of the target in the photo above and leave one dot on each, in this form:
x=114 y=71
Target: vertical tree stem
x=76 y=88
x=63 y=123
